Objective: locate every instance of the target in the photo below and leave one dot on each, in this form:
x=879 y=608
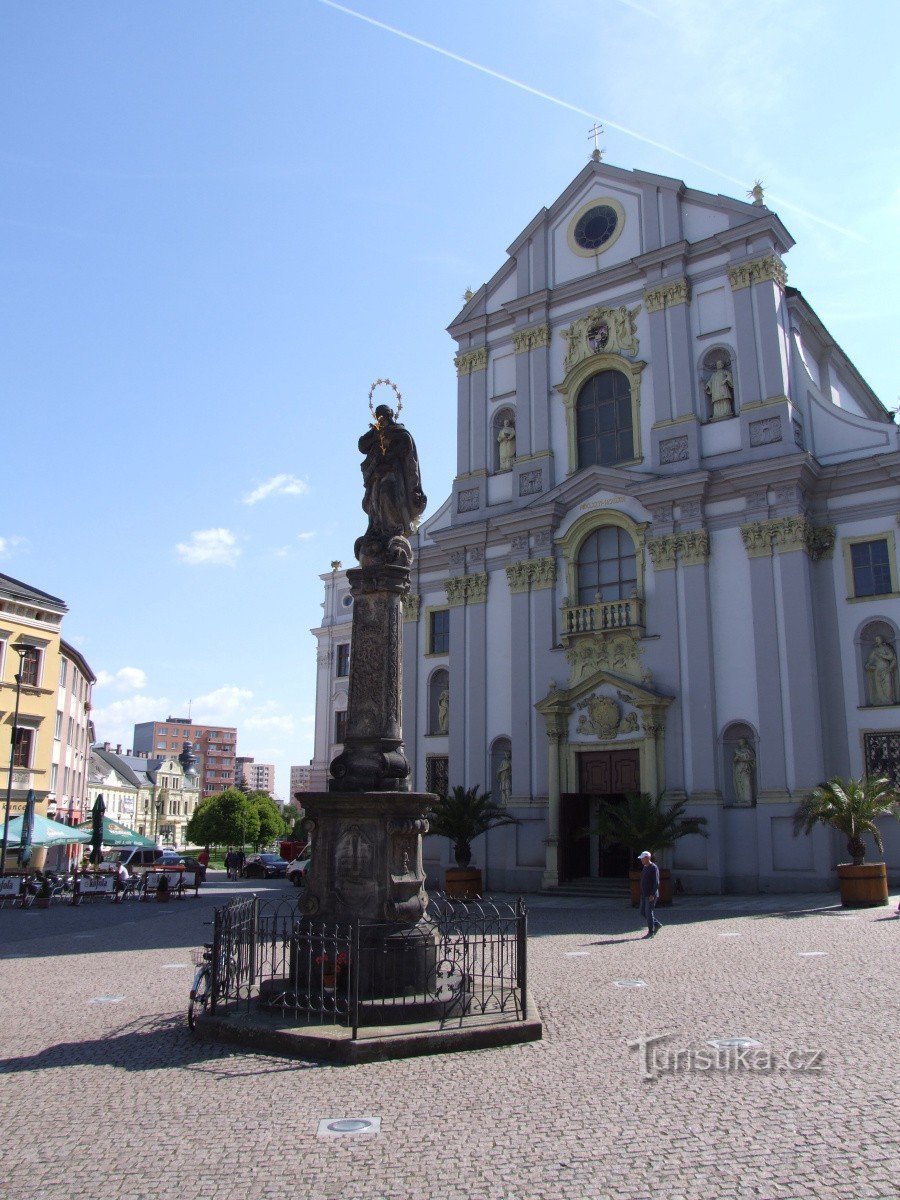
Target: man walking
x=649 y=891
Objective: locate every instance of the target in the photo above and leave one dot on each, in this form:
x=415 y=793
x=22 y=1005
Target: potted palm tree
x=646 y=822
x=462 y=816
x=852 y=807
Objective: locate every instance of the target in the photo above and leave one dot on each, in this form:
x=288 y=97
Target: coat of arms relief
x=602 y=331
x=603 y=718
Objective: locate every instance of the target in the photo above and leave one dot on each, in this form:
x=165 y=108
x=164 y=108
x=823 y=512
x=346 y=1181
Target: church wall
x=566 y=265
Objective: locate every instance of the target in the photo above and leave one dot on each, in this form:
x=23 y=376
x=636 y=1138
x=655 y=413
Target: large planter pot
x=863 y=886
x=463 y=883
x=665 y=887
x=162 y=897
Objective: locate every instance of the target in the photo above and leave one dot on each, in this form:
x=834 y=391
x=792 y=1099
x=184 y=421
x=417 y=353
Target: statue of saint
x=444 y=711
x=743 y=773
x=504 y=778
x=881 y=673
x=720 y=387
x=393 y=498
x=507 y=440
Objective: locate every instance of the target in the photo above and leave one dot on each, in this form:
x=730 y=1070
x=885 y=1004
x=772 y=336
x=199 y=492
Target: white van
x=137 y=858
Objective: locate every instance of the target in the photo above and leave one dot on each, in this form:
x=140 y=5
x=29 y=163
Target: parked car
x=264 y=866
x=135 y=857
x=296 y=871
x=170 y=859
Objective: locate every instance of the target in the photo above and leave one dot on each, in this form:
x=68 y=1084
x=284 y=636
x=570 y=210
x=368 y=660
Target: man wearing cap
x=649 y=891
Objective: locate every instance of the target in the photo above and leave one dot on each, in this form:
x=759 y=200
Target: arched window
x=607 y=566
x=603 y=425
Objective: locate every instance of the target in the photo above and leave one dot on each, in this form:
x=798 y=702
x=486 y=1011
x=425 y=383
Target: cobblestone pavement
x=116 y=1101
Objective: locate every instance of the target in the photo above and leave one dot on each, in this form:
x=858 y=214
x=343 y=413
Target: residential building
x=53 y=701
x=215 y=747
x=301 y=778
x=154 y=795
x=253 y=776
x=332 y=674
x=72 y=736
x=668 y=559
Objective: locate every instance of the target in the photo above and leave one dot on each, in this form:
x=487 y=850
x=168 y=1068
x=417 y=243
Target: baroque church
x=668 y=559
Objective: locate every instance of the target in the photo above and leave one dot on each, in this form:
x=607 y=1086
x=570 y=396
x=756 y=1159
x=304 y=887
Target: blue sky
x=222 y=221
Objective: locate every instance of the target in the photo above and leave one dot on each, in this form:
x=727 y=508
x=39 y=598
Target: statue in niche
x=393 y=498
x=720 y=388
x=881 y=674
x=444 y=711
x=743 y=774
x=504 y=778
x=506 y=440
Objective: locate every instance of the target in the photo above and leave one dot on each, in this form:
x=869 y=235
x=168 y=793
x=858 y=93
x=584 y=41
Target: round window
x=347 y=601
x=596 y=226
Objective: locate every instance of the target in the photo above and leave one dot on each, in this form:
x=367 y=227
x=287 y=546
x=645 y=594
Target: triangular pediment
x=637 y=693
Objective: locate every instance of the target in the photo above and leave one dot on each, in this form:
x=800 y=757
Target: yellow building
x=30 y=622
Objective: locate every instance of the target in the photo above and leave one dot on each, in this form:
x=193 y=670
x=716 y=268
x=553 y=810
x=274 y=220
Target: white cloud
x=9 y=544
x=269 y=723
x=126 y=679
x=306 y=535
x=210 y=546
x=278 y=485
x=115 y=722
x=281 y=551
x=219 y=705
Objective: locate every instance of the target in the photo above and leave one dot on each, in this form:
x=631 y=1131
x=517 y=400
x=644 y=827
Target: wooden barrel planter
x=665 y=887
x=863 y=886
x=463 y=883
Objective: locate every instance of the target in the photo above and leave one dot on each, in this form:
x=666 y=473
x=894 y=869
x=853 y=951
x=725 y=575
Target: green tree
x=227 y=819
x=464 y=815
x=201 y=828
x=271 y=823
x=645 y=822
x=852 y=808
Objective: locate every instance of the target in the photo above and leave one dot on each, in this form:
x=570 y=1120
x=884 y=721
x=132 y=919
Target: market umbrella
x=45 y=832
x=97 y=829
x=117 y=834
x=27 y=829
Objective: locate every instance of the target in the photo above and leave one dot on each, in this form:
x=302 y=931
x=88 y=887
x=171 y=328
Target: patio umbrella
x=117 y=834
x=97 y=829
x=45 y=832
x=27 y=829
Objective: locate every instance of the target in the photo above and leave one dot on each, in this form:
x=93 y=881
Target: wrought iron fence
x=463 y=961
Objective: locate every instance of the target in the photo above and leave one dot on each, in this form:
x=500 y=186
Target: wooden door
x=609 y=774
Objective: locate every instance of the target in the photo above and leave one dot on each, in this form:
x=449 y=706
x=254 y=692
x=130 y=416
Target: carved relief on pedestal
x=467 y=500
x=674 y=450
x=765 y=432
x=354 y=865
x=618 y=654
x=603 y=330
x=531 y=482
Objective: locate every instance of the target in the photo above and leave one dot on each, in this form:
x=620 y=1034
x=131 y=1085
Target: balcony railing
x=603 y=616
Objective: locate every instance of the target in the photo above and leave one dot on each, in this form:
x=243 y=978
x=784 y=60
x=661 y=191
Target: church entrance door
x=604 y=779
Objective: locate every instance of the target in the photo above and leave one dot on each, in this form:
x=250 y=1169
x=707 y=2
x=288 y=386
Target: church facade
x=668 y=560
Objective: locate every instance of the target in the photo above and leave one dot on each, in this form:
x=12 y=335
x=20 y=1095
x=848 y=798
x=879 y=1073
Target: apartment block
x=214 y=745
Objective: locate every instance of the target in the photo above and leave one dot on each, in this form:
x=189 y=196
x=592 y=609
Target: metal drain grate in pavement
x=106 y=1000
x=629 y=983
x=348 y=1126
x=733 y=1043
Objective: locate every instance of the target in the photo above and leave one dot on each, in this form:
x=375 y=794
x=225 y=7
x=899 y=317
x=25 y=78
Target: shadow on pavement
x=152 y=1044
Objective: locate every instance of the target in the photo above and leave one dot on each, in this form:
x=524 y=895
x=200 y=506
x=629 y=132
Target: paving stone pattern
x=116 y=1101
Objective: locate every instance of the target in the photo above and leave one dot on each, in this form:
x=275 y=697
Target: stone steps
x=614 y=888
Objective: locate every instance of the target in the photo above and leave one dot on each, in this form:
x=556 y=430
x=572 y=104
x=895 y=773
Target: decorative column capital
x=757 y=270
x=466 y=589
x=662 y=551
x=468 y=361
x=693 y=547
x=788 y=534
x=667 y=295
x=536 y=573
x=533 y=338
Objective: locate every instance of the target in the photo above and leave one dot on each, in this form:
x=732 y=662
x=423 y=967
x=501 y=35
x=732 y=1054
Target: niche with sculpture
x=878 y=657
x=501 y=771
x=717 y=383
x=739 y=766
x=503 y=432
x=439 y=702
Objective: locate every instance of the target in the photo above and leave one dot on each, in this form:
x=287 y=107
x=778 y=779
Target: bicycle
x=201 y=990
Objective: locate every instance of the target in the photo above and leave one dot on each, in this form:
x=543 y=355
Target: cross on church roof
x=594 y=133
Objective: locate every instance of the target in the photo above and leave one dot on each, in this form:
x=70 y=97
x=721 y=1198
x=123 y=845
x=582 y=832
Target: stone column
x=771 y=776
x=550 y=877
x=697 y=688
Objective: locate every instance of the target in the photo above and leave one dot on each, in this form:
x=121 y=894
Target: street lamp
x=21 y=648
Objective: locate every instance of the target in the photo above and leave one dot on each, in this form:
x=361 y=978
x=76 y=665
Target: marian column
x=367 y=829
